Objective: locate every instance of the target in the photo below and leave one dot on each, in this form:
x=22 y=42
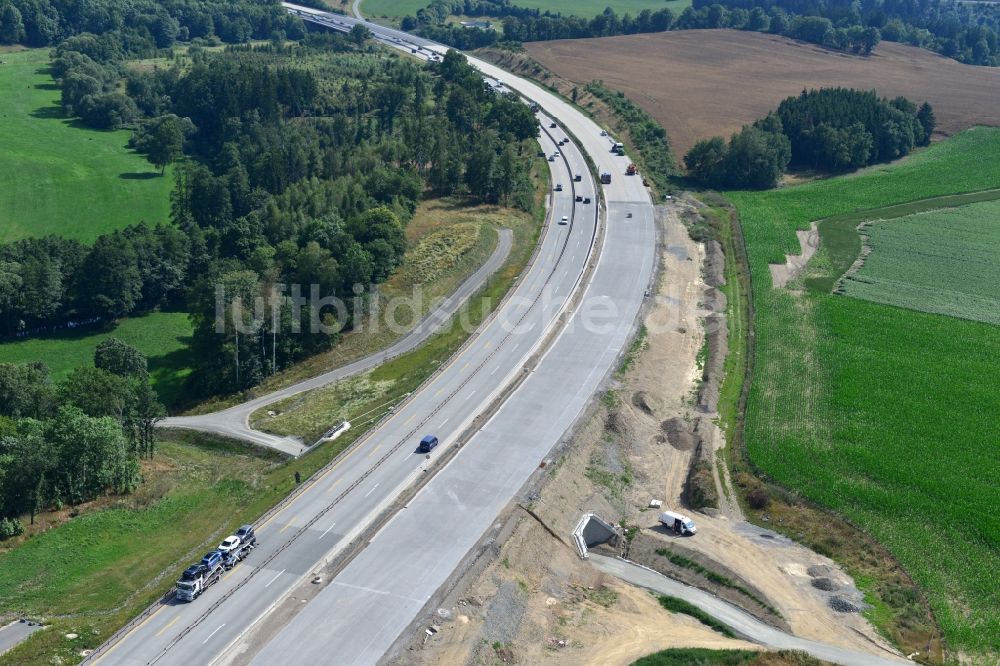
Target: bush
x=10 y=527
x=758 y=498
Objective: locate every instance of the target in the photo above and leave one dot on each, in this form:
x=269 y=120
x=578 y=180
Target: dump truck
x=631 y=170
x=605 y=178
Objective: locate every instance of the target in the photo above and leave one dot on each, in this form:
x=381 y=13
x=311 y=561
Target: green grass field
x=942 y=261
x=883 y=414
x=584 y=8
x=57 y=177
x=162 y=336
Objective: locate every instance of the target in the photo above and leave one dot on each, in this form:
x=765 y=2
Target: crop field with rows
x=943 y=261
x=885 y=415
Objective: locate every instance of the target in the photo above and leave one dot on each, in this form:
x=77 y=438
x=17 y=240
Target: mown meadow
x=59 y=177
x=884 y=414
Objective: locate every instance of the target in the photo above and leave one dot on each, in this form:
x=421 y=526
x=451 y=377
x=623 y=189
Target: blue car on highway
x=427 y=443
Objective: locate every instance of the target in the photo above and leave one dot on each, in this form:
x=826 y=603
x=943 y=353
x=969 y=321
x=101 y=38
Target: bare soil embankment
x=701 y=83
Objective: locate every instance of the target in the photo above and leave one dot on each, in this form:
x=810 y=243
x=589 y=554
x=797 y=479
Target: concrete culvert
x=824 y=584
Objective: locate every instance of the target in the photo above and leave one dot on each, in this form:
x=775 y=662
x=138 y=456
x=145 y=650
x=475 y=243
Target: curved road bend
x=235 y=421
x=736 y=618
x=364 y=610
x=344 y=499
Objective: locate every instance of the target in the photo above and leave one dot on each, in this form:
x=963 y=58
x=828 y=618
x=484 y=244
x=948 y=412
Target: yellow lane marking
x=288 y=524
x=379 y=446
x=133 y=630
x=170 y=624
x=334 y=485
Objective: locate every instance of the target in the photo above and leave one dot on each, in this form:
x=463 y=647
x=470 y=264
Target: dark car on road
x=427 y=444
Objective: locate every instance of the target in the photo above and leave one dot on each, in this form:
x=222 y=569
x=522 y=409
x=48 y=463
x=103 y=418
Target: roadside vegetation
x=706 y=657
x=675 y=605
x=58 y=177
x=877 y=412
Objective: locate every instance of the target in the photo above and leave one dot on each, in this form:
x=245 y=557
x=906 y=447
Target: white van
x=678 y=523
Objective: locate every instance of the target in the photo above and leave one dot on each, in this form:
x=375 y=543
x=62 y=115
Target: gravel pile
x=842 y=605
x=824 y=584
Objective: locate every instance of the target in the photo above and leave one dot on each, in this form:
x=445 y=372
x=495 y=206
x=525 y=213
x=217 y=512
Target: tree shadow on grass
x=53 y=112
x=139 y=175
x=170 y=371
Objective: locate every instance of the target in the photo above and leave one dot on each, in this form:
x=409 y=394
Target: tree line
x=966 y=31
x=67 y=442
x=142 y=27
x=831 y=129
x=295 y=166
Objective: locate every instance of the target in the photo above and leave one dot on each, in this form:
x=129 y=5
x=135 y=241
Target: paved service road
x=235 y=421
x=739 y=620
x=343 y=499
x=15 y=632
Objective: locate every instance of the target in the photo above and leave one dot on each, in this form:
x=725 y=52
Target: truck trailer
x=199 y=577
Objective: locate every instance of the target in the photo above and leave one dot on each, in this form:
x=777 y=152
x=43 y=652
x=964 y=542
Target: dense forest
x=832 y=129
x=966 y=31
x=296 y=168
x=68 y=442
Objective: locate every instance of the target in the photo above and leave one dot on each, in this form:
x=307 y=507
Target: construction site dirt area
x=702 y=83
x=525 y=596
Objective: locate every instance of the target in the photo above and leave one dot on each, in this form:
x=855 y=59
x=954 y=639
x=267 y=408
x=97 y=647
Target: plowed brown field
x=700 y=83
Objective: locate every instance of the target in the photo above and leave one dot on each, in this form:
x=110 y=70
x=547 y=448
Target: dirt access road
x=702 y=83
x=528 y=598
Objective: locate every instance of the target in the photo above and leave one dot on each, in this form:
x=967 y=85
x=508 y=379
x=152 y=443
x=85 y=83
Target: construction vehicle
x=631 y=170
x=605 y=178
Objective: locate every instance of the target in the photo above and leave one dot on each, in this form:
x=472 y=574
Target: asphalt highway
x=343 y=500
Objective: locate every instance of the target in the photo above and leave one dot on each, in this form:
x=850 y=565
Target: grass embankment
x=162 y=336
x=883 y=414
x=365 y=398
x=58 y=177
x=197 y=490
x=706 y=657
